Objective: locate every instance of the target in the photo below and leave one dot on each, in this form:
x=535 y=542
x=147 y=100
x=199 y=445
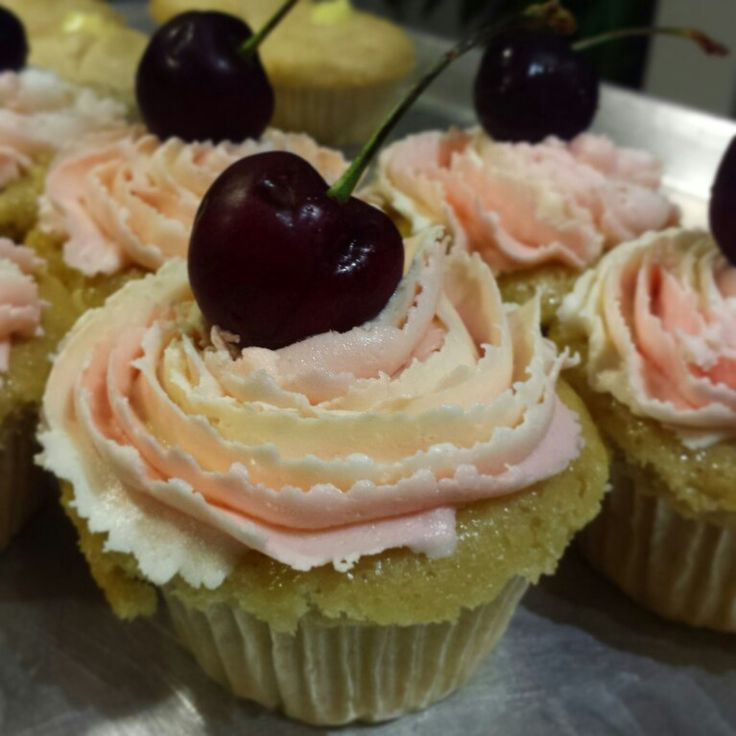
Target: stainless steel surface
x=579 y=658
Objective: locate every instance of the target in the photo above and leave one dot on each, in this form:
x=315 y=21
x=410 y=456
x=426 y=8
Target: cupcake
x=92 y=50
x=538 y=214
x=43 y=18
x=335 y=70
x=39 y=114
x=117 y=206
x=29 y=332
x=656 y=323
x=340 y=528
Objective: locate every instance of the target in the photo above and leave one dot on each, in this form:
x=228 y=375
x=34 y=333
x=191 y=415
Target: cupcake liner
x=682 y=568
x=22 y=484
x=334 y=672
x=335 y=117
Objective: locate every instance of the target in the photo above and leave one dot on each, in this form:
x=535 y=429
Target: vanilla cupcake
x=117 y=206
x=43 y=18
x=656 y=322
x=40 y=114
x=341 y=528
x=85 y=42
x=29 y=332
x=335 y=70
x=93 y=51
x=537 y=214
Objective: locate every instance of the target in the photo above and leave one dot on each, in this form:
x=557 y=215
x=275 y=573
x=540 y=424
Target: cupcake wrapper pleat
x=682 y=568
x=338 y=672
x=21 y=482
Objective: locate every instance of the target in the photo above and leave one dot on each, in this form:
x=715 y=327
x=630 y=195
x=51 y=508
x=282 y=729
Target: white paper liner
x=338 y=672
x=682 y=568
x=21 y=482
x=335 y=117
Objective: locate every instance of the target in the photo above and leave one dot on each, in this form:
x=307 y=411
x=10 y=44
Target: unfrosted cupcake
x=92 y=50
x=29 y=332
x=39 y=114
x=117 y=206
x=656 y=322
x=335 y=70
x=537 y=214
x=340 y=528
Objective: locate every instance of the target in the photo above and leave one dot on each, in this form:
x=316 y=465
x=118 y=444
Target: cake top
x=130 y=198
x=521 y=205
x=336 y=447
x=40 y=114
x=20 y=303
x=659 y=318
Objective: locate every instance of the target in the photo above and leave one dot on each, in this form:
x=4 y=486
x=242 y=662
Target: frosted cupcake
x=340 y=528
x=39 y=114
x=29 y=332
x=537 y=214
x=118 y=206
x=656 y=322
x=335 y=70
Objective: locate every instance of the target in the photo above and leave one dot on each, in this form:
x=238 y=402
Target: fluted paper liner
x=21 y=482
x=682 y=568
x=335 y=117
x=336 y=672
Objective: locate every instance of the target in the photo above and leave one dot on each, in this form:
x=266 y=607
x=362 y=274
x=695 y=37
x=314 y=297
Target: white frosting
x=40 y=114
x=522 y=205
x=20 y=304
x=132 y=199
x=335 y=447
x=660 y=317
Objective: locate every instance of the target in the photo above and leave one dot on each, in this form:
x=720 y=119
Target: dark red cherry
x=195 y=83
x=531 y=84
x=274 y=259
x=723 y=204
x=13 y=42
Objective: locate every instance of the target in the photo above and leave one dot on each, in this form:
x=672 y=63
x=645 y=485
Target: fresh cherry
x=531 y=84
x=195 y=82
x=13 y=42
x=273 y=258
x=722 y=200
x=276 y=256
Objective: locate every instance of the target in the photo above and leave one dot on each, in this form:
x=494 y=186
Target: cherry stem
x=252 y=44
x=546 y=13
x=706 y=43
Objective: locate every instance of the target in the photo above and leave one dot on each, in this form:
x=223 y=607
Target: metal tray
x=579 y=658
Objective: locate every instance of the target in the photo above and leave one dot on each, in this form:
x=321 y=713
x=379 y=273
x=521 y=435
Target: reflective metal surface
x=577 y=659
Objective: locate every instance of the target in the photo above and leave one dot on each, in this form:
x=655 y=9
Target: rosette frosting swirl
x=39 y=114
x=20 y=304
x=521 y=205
x=335 y=447
x=659 y=314
x=132 y=200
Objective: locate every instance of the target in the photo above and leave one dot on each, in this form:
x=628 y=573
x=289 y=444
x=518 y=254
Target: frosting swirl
x=39 y=114
x=132 y=200
x=20 y=304
x=522 y=205
x=660 y=317
x=335 y=447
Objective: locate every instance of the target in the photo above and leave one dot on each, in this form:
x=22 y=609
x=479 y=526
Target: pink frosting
x=20 y=305
x=522 y=205
x=661 y=316
x=335 y=447
x=39 y=114
x=132 y=200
